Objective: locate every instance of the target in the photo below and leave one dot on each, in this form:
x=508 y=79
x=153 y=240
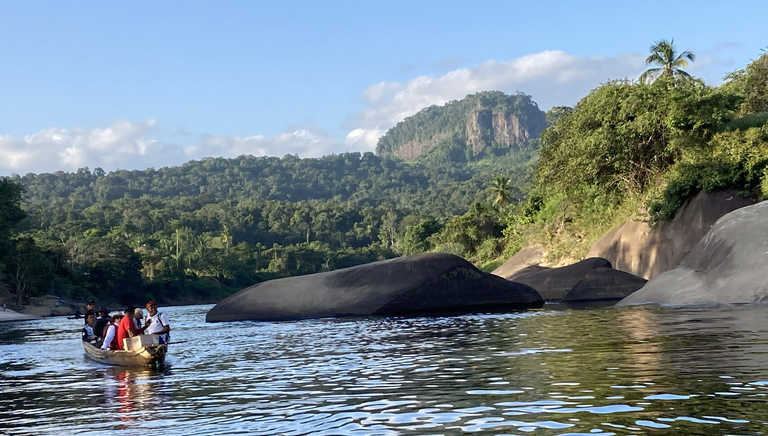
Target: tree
x=500 y=191
x=752 y=84
x=10 y=210
x=670 y=62
x=416 y=239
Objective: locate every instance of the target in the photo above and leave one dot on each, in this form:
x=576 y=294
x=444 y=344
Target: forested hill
x=480 y=125
x=361 y=179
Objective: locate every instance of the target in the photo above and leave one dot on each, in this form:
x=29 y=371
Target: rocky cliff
x=488 y=123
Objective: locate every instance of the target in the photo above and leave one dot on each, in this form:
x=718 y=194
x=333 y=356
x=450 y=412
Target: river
x=549 y=371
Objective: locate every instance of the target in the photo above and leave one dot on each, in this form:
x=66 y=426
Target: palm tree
x=500 y=191
x=670 y=62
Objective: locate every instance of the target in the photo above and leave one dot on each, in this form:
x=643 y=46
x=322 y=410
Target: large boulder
x=415 y=284
x=728 y=265
x=647 y=251
x=521 y=260
x=591 y=279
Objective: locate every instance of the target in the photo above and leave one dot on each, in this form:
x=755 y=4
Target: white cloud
x=137 y=145
x=551 y=77
x=123 y=144
x=303 y=142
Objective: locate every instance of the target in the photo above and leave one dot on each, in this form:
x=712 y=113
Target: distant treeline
x=198 y=231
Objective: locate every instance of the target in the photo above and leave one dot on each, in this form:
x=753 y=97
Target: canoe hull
x=144 y=356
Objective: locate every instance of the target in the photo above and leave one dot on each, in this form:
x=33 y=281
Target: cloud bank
x=136 y=145
x=551 y=77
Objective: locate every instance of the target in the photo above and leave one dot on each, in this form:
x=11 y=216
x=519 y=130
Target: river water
x=549 y=371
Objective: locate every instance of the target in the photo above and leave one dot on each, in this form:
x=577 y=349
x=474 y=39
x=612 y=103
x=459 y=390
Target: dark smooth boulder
x=589 y=280
x=729 y=265
x=415 y=284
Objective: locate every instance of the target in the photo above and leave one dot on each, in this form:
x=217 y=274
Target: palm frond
x=663 y=54
x=654 y=58
x=688 y=55
x=650 y=73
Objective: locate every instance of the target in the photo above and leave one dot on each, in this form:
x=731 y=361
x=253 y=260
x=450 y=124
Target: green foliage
x=234 y=222
x=500 y=191
x=751 y=83
x=622 y=135
x=556 y=112
x=465 y=234
x=10 y=211
x=747 y=121
x=416 y=239
x=734 y=159
x=439 y=134
x=491 y=265
x=664 y=54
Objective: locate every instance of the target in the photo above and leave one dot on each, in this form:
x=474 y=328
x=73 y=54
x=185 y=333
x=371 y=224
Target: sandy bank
x=10 y=315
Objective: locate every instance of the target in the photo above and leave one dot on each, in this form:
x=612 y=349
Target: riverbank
x=11 y=315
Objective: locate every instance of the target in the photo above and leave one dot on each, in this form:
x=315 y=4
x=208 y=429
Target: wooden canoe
x=150 y=355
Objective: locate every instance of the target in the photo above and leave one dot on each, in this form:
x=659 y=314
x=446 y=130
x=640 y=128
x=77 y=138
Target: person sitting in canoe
x=127 y=327
x=110 y=333
x=157 y=323
x=138 y=318
x=88 y=333
x=101 y=323
x=90 y=309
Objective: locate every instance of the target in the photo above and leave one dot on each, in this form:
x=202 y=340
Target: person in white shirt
x=110 y=337
x=157 y=323
x=138 y=317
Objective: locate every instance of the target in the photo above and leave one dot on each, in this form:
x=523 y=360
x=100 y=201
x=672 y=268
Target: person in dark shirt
x=101 y=322
x=88 y=334
x=89 y=310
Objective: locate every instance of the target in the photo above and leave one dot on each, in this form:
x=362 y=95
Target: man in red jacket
x=127 y=328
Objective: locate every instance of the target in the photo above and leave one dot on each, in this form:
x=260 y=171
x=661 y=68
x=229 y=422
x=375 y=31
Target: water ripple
x=602 y=371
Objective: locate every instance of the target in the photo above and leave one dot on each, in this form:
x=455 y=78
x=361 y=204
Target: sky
x=134 y=85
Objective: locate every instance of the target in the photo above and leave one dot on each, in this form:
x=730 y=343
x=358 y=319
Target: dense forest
x=201 y=230
x=204 y=229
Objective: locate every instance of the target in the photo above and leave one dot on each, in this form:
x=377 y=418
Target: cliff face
x=480 y=124
x=488 y=128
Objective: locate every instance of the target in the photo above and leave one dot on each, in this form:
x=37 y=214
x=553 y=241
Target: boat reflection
x=133 y=392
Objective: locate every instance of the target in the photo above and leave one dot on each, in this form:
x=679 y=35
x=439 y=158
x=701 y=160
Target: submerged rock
x=728 y=265
x=647 y=251
x=589 y=280
x=415 y=284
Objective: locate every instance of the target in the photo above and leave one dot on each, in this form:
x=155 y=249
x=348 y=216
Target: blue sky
x=152 y=84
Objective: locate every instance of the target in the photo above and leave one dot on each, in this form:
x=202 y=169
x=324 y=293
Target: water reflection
x=134 y=392
x=549 y=371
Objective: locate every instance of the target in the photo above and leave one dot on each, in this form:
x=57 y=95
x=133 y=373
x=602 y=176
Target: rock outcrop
x=728 y=265
x=415 y=284
x=482 y=124
x=591 y=279
x=524 y=258
x=51 y=305
x=646 y=251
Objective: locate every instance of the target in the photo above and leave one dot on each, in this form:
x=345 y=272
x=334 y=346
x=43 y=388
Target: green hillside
x=478 y=126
